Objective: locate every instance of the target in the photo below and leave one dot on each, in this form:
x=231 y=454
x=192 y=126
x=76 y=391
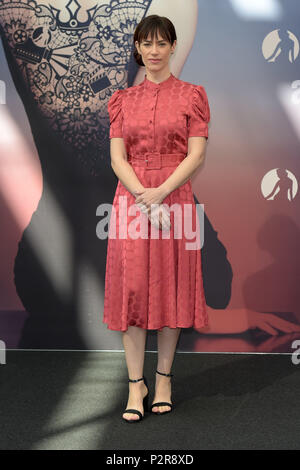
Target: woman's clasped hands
x=149 y=201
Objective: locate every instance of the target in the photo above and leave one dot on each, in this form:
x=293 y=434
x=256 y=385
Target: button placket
x=152 y=121
x=154 y=159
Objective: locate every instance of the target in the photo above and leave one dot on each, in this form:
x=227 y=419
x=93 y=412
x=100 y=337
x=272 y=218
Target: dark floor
x=74 y=400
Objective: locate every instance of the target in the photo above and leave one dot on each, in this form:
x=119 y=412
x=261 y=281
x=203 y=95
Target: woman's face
x=159 y=49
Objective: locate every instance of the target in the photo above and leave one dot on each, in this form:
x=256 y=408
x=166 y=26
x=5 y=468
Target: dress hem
x=158 y=327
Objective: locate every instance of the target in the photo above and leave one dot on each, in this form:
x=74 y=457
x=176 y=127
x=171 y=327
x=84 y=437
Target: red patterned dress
x=153 y=282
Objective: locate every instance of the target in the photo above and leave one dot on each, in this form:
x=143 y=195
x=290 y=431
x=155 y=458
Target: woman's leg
x=134 y=340
x=166 y=346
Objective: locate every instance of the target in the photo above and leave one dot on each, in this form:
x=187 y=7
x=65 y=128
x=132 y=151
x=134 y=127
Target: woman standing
x=158 y=132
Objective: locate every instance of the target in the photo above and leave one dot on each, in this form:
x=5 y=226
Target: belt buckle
x=153 y=160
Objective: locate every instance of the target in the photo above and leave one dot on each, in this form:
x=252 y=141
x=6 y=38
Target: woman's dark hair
x=151 y=24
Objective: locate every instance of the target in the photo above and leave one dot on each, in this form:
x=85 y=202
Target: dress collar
x=164 y=84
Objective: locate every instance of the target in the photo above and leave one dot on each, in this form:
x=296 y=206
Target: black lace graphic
x=72 y=59
x=66 y=58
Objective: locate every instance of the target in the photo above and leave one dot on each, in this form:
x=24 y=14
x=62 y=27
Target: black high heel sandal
x=145 y=404
x=162 y=403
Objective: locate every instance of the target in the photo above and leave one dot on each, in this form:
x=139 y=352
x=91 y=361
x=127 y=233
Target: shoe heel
x=145 y=381
x=146 y=403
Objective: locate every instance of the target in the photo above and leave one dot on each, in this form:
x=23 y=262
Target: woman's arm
x=121 y=167
x=185 y=170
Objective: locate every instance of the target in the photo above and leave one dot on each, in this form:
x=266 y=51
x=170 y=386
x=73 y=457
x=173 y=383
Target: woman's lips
x=154 y=60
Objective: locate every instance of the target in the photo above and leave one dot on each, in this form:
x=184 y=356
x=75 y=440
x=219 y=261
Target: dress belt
x=156 y=160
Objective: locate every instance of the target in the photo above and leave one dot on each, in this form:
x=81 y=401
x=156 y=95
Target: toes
x=161 y=409
x=165 y=408
x=131 y=416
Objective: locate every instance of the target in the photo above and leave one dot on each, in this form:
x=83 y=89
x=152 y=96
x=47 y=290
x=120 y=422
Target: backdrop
x=60 y=62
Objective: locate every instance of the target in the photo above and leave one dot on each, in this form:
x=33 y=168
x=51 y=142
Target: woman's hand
x=149 y=196
x=158 y=214
x=160 y=217
x=240 y=320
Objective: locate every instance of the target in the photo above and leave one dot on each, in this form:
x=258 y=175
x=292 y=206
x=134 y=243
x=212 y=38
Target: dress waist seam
x=156 y=160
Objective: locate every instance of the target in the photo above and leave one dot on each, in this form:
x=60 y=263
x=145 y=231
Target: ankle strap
x=137 y=380
x=167 y=375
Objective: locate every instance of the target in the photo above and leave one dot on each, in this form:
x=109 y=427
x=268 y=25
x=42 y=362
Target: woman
x=158 y=132
x=64 y=63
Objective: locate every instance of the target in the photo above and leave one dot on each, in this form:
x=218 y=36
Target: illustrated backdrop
x=60 y=62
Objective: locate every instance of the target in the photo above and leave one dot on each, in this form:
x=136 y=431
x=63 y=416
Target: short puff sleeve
x=199 y=115
x=114 y=107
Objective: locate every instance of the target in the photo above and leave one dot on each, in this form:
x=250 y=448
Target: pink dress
x=151 y=281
